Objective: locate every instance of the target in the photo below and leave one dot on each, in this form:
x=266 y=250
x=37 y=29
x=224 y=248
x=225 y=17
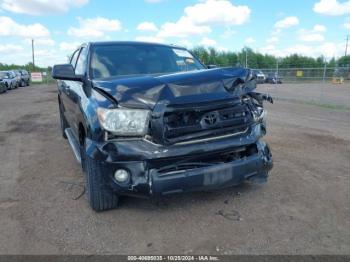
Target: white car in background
x=9 y=78
x=260 y=76
x=18 y=77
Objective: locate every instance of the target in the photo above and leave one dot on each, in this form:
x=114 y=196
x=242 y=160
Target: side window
x=74 y=58
x=81 y=63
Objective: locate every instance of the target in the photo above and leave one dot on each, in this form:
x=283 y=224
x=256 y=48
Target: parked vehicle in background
x=9 y=78
x=3 y=87
x=18 y=77
x=259 y=75
x=150 y=119
x=25 y=77
x=273 y=78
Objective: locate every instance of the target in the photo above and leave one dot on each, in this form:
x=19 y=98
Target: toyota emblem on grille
x=210 y=119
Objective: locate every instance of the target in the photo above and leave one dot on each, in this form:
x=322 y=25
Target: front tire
x=100 y=195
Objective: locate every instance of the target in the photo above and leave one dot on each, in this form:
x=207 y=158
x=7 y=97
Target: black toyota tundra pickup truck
x=150 y=119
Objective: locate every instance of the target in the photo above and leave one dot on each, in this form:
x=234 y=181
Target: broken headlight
x=124 y=122
x=260 y=115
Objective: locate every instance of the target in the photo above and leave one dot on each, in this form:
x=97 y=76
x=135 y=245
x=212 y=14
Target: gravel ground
x=318 y=93
x=303 y=209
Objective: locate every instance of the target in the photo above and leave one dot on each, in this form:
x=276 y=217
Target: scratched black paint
x=180 y=153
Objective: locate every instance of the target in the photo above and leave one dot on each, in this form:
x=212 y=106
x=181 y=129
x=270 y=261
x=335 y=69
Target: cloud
x=330 y=49
x=208 y=41
x=69 y=46
x=273 y=39
x=184 y=43
x=320 y=28
x=216 y=12
x=198 y=18
x=151 y=39
x=7 y=48
x=22 y=55
x=347 y=25
x=314 y=35
x=182 y=28
x=40 y=7
x=41 y=42
x=271 y=49
x=305 y=36
x=228 y=32
x=279 y=26
x=249 y=40
x=147 y=26
x=327 y=49
x=45 y=57
x=332 y=7
x=94 y=27
x=287 y=22
x=9 y=27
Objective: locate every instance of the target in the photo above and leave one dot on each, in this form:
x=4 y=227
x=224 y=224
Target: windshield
x=128 y=59
x=3 y=75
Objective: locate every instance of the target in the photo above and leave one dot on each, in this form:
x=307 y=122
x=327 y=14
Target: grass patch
x=49 y=81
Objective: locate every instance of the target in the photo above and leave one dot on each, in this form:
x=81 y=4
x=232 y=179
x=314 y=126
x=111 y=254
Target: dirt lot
x=303 y=209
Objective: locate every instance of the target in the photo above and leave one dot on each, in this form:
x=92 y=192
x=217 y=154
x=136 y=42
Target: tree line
x=29 y=67
x=212 y=56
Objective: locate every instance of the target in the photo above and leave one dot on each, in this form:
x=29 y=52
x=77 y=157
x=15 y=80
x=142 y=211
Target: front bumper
x=145 y=162
x=254 y=168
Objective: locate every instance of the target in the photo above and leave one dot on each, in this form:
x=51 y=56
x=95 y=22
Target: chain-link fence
x=287 y=75
x=325 y=74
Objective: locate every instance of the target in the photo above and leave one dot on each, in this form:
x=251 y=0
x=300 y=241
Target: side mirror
x=212 y=66
x=65 y=72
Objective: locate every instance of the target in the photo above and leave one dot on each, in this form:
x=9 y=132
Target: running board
x=73 y=144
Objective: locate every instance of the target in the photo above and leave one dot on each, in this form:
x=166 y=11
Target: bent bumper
x=254 y=168
x=146 y=161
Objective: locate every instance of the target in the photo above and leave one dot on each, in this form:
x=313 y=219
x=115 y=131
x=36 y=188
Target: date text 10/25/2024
x=173 y=258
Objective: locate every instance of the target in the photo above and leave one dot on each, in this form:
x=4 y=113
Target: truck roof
x=132 y=43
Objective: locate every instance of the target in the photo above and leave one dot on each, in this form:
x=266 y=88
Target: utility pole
x=324 y=71
x=277 y=70
x=33 y=54
x=346 y=46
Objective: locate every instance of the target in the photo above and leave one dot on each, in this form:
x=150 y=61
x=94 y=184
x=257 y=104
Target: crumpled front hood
x=179 y=88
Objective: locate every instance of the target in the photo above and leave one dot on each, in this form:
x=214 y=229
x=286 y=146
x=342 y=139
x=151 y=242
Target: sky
x=281 y=28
